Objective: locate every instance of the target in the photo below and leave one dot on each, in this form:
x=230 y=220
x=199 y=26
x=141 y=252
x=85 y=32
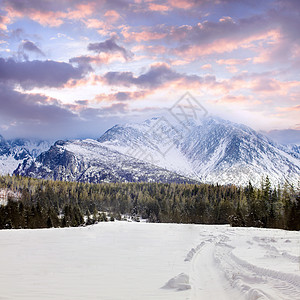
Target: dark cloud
x=82 y=102
x=125 y=5
x=62 y=5
x=155 y=77
x=31 y=47
x=16 y=105
x=35 y=115
x=110 y=46
x=28 y=46
x=43 y=6
x=216 y=36
x=84 y=60
x=208 y=32
x=123 y=96
x=30 y=74
x=116 y=108
x=89 y=113
x=237 y=2
x=291 y=6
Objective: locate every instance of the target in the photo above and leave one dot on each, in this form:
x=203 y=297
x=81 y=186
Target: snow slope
x=210 y=150
x=120 y=260
x=90 y=161
x=13 y=152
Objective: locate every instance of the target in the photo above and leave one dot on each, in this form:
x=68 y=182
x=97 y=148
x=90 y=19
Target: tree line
x=46 y=203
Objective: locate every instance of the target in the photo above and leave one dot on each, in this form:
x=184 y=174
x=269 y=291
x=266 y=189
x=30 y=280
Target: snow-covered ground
x=121 y=260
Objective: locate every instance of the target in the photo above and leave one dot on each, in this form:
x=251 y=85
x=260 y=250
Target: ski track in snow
x=204 y=260
x=214 y=261
x=120 y=260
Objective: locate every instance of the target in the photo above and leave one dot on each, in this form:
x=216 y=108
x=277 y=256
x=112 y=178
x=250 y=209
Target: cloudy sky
x=73 y=68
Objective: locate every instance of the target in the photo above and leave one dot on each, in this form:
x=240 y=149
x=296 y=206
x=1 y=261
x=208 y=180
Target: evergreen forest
x=43 y=203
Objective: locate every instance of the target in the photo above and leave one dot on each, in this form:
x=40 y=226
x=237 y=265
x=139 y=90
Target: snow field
x=123 y=260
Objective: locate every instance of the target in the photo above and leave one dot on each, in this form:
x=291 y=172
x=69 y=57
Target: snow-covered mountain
x=13 y=152
x=90 y=161
x=210 y=150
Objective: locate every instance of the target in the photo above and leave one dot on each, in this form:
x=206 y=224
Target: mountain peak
x=211 y=150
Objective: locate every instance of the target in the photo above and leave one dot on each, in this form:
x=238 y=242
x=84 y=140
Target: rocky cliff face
x=89 y=161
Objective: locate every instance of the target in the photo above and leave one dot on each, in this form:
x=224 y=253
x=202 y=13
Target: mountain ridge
x=14 y=151
x=89 y=161
x=210 y=150
x=217 y=151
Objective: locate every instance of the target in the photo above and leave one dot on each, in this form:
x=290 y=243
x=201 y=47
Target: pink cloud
x=289 y=109
x=142 y=35
x=81 y=11
x=4 y=21
x=206 y=67
x=158 y=7
x=179 y=62
x=52 y=18
x=269 y=85
x=267 y=47
x=233 y=99
x=48 y=18
x=112 y=16
x=183 y=4
x=232 y=69
x=219 y=46
x=226 y=19
x=265 y=87
x=94 y=23
x=104 y=28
